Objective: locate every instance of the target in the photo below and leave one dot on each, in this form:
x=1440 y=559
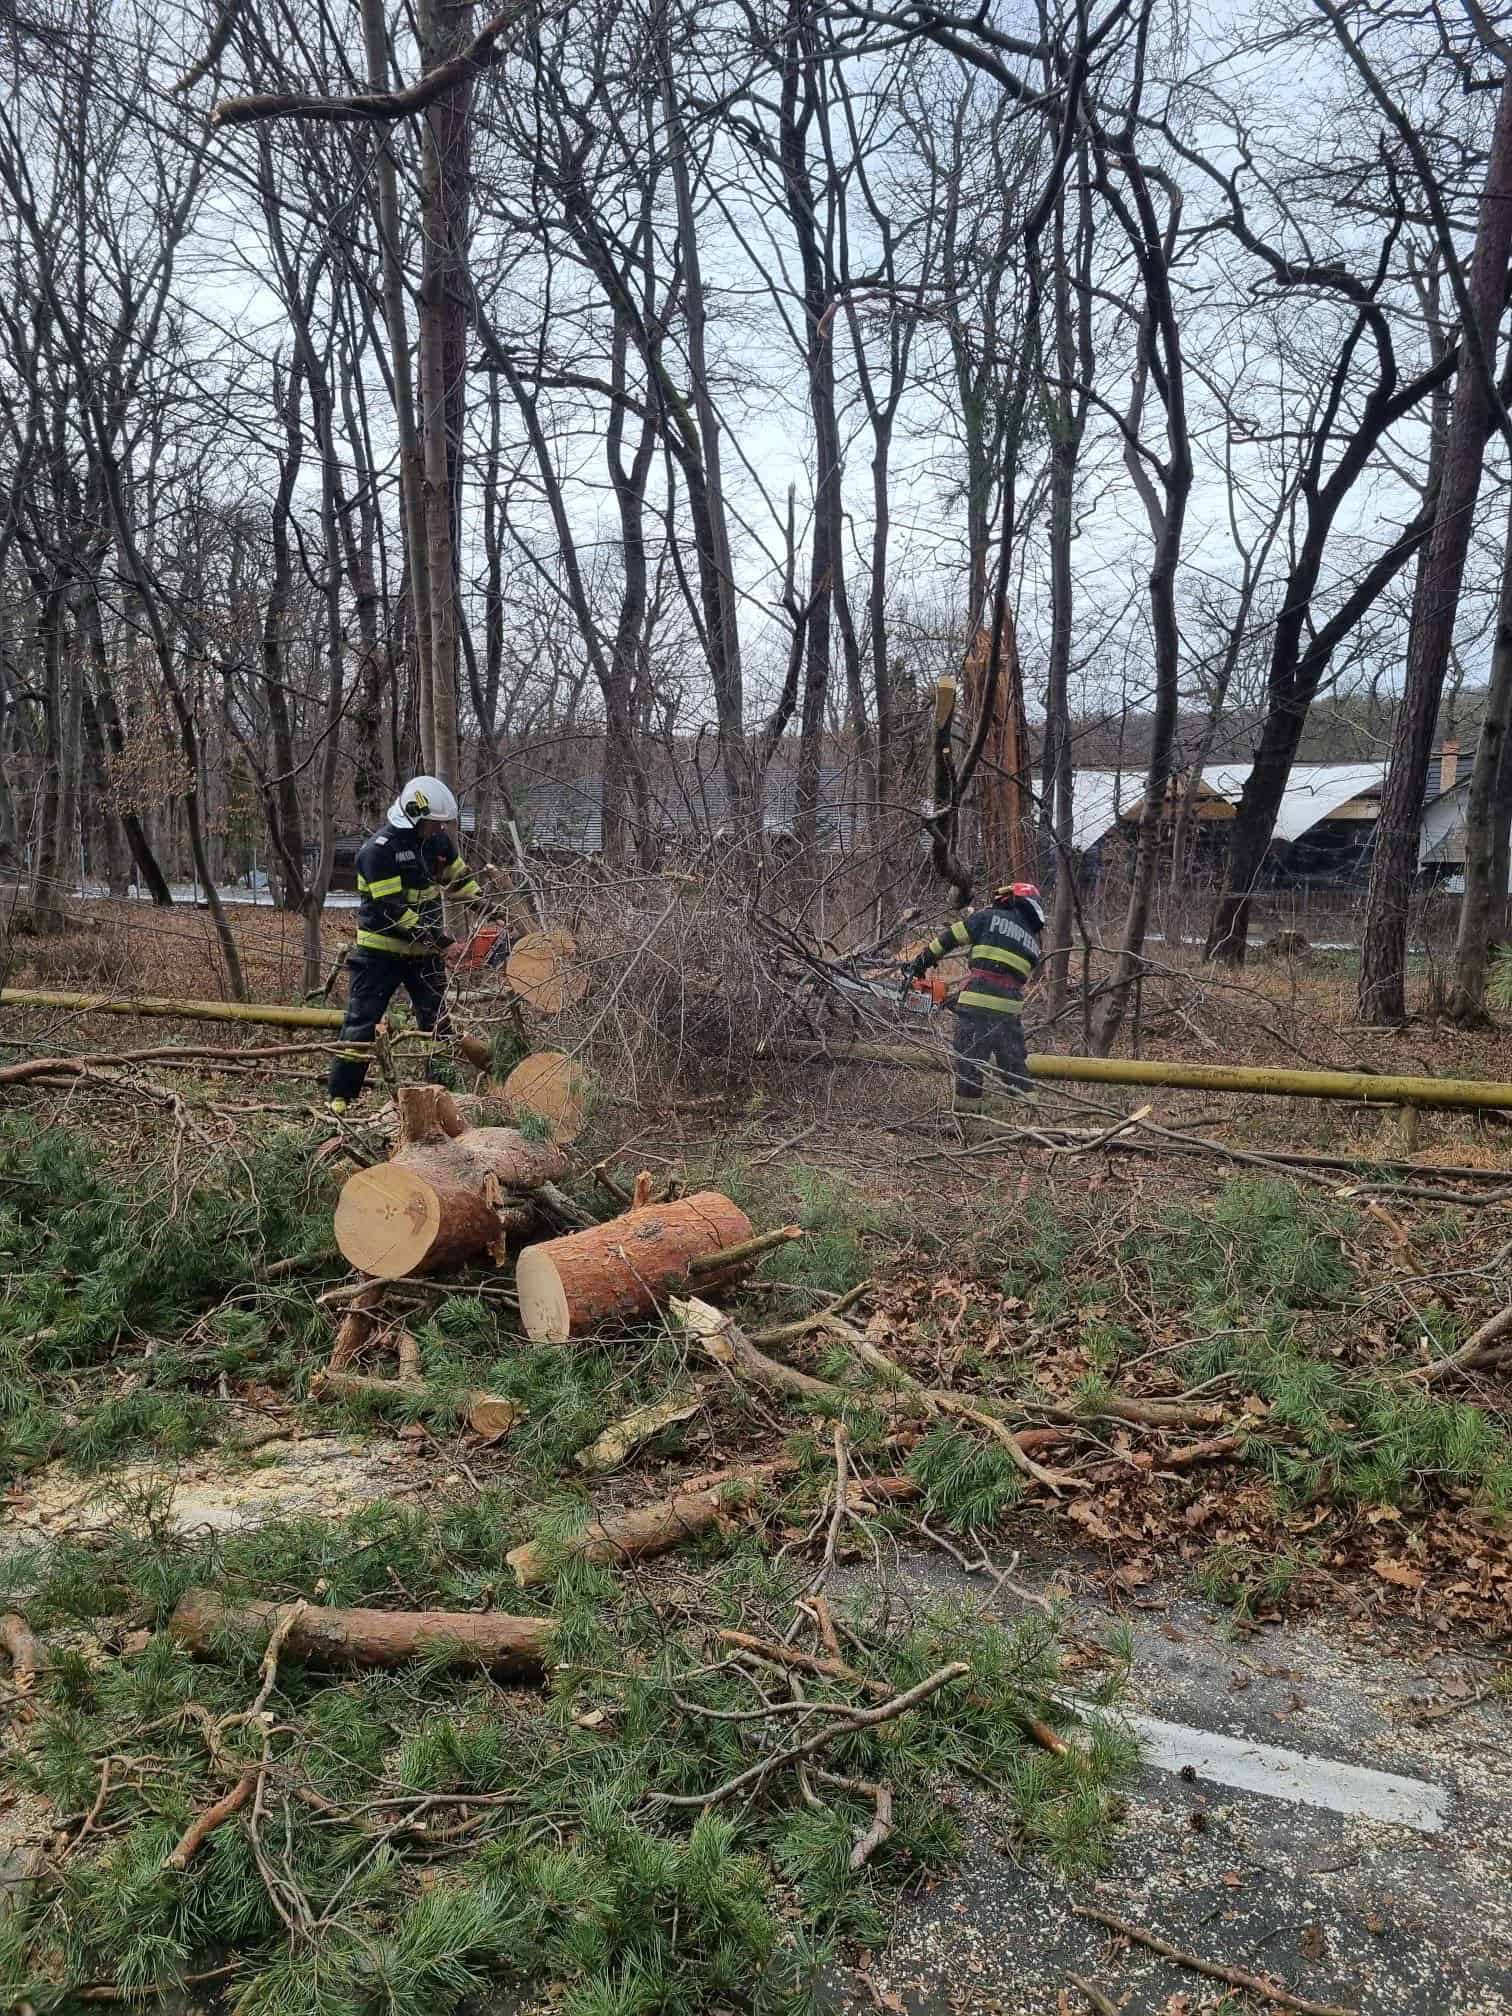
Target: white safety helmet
x=422 y=798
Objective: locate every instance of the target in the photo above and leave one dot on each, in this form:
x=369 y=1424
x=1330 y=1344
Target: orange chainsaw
x=913 y=997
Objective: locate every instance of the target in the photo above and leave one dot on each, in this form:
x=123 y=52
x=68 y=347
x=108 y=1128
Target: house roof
x=1314 y=791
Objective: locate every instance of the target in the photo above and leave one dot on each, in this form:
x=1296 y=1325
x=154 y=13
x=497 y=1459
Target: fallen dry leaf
x=1402 y=1573
x=1088 y=1516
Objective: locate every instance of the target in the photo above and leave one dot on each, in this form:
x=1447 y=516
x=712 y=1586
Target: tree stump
x=625 y=1267
x=448 y=1193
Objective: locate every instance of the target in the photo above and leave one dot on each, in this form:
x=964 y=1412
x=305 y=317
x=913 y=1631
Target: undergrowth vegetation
x=127 y=1291
x=418 y=1835
x=425 y=1832
x=1258 y=1292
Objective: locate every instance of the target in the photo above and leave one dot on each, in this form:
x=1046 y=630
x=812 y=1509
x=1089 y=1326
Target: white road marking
x=1248 y=1766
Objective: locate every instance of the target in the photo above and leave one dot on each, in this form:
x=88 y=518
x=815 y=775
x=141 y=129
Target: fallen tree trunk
x=448 y=1193
x=509 y=1647
x=627 y=1266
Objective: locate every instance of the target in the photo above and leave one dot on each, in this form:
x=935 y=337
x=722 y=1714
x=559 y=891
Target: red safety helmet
x=1026 y=893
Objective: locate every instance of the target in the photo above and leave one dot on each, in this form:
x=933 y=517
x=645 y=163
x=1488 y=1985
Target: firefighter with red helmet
x=1002 y=943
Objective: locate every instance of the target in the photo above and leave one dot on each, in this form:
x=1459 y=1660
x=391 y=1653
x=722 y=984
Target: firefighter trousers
x=374 y=978
x=995 y=1040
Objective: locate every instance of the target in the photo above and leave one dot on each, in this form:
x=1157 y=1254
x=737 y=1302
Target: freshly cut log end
x=554 y=1086
x=444 y=1197
x=543 y=971
x=623 y=1268
x=544 y=1309
x=387 y=1221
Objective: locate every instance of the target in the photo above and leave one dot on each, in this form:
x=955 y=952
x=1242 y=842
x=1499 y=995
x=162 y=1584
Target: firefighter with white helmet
x=403 y=872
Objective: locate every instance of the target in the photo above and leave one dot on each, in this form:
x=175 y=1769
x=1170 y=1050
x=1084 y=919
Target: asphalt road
x=1389 y=1893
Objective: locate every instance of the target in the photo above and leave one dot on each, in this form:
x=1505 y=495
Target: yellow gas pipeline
x=1270 y=1082
x=271 y=1013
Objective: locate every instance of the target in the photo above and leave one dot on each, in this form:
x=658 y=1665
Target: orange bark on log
x=444 y=1196
x=26 y=1661
x=510 y=1647
x=623 y=1268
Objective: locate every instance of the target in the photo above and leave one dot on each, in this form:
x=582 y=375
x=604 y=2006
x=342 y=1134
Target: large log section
x=625 y=1267
x=449 y=1192
x=514 y=1648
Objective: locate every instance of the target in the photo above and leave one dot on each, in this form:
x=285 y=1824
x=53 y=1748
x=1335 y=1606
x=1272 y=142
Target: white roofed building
x=1323 y=827
x=1326 y=821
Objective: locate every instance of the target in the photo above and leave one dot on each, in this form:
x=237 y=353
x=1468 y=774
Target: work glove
x=434 y=938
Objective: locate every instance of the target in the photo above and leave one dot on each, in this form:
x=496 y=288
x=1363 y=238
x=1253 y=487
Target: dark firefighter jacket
x=401 y=880
x=1004 y=943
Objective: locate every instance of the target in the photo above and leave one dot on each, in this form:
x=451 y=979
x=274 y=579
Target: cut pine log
x=622 y=1438
x=510 y=1647
x=487 y=1414
x=636 y=1536
x=627 y=1266
x=552 y=1085
x=449 y=1192
x=544 y=972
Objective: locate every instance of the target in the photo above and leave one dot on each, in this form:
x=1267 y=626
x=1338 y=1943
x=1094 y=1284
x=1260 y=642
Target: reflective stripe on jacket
x=1004 y=945
x=401 y=880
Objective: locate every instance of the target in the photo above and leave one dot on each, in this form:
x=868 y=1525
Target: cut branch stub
x=444 y=1197
x=554 y=1086
x=544 y=973
x=625 y=1267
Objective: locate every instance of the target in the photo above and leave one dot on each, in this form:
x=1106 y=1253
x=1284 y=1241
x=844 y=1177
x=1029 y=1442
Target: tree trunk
x=360 y=525
x=1074 y=357
x=1487 y=813
x=444 y=1196
x=102 y=719
x=1501 y=847
x=406 y=422
x=623 y=1268
x=706 y=483
x=1383 y=954
x=44 y=900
